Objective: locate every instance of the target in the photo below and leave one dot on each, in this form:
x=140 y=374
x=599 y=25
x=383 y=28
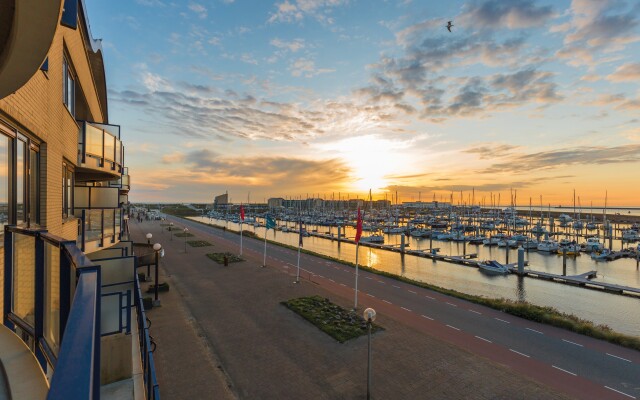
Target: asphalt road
x=575 y=364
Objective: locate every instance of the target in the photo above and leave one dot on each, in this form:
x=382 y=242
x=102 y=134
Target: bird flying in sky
x=449 y=25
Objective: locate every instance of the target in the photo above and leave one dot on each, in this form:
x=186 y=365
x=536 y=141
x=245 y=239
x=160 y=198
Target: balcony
x=100 y=153
x=79 y=321
x=123 y=182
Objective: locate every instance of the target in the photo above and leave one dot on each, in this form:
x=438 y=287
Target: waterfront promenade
x=231 y=317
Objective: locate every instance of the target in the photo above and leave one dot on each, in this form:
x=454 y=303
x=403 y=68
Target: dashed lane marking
x=622 y=393
x=406 y=309
x=533 y=330
x=411 y=291
x=429 y=318
x=564 y=370
x=451 y=304
x=618 y=357
x=502 y=320
x=476 y=312
x=370 y=295
x=574 y=343
x=453 y=327
x=486 y=340
x=429 y=297
x=387 y=301
x=397 y=287
x=342 y=284
x=517 y=352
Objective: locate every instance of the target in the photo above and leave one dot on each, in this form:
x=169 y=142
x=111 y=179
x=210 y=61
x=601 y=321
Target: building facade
x=67 y=262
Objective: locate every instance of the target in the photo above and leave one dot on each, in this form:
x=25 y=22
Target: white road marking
x=533 y=330
x=574 y=343
x=342 y=284
x=501 y=320
x=397 y=287
x=623 y=359
x=453 y=327
x=332 y=280
x=386 y=301
x=522 y=354
x=429 y=297
x=321 y=276
x=370 y=295
x=368 y=277
x=477 y=312
x=564 y=370
x=486 y=340
x=429 y=318
x=622 y=393
x=406 y=309
x=411 y=291
x=381 y=282
x=451 y=304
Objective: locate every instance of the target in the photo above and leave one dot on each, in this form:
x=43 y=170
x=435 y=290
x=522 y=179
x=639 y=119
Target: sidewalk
x=232 y=317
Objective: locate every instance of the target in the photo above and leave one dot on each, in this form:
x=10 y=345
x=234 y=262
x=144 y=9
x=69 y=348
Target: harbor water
x=621 y=313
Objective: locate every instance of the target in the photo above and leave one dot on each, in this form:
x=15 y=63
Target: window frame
x=68 y=203
x=68 y=93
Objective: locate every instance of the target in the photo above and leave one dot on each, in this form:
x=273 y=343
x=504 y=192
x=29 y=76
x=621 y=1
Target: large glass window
x=5 y=148
x=20 y=181
x=34 y=187
x=69 y=87
x=67 y=190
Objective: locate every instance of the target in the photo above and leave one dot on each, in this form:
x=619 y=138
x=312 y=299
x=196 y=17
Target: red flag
x=241 y=212
x=359 y=227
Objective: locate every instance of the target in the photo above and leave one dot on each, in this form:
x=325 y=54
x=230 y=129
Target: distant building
x=275 y=202
x=220 y=201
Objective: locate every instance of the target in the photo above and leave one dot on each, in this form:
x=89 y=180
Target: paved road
x=578 y=365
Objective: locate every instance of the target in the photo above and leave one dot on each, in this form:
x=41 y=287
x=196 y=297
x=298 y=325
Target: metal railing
x=101 y=142
x=53 y=301
x=103 y=225
x=147 y=346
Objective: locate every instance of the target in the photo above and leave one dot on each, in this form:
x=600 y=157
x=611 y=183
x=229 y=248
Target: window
x=5 y=149
x=21 y=177
x=34 y=187
x=67 y=190
x=69 y=87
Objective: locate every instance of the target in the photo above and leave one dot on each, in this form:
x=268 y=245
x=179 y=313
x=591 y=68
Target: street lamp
x=170 y=230
x=149 y=236
x=370 y=316
x=185 y=231
x=157 y=247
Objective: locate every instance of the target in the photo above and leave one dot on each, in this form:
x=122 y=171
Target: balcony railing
x=99 y=227
x=100 y=147
x=57 y=301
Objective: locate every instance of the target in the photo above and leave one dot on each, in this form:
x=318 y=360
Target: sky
x=300 y=98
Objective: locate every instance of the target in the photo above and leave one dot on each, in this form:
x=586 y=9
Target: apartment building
x=70 y=296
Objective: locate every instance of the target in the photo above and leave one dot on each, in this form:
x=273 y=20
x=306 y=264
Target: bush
x=198 y=243
x=219 y=257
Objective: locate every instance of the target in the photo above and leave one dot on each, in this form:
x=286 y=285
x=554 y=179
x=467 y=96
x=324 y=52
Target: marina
x=447 y=264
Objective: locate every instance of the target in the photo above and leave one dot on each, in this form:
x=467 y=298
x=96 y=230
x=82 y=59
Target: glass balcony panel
x=125 y=180
x=94 y=141
x=24 y=277
x=111 y=315
x=118 y=152
x=93 y=225
x=108 y=223
x=109 y=147
x=52 y=296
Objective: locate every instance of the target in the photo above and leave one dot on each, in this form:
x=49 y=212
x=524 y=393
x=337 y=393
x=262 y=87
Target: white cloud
x=293 y=46
x=307 y=68
x=198 y=9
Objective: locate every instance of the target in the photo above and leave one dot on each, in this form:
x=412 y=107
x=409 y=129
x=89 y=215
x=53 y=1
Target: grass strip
x=183 y=234
x=219 y=257
x=198 y=243
x=523 y=309
x=335 y=321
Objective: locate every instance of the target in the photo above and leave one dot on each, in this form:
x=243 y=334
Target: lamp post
x=149 y=236
x=156 y=247
x=170 y=230
x=185 y=231
x=370 y=316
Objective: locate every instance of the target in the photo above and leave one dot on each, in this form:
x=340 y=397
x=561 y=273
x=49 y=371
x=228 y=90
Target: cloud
x=284 y=173
x=293 y=46
x=306 y=67
x=512 y=14
x=521 y=163
x=629 y=72
x=297 y=10
x=600 y=25
x=198 y=9
x=492 y=150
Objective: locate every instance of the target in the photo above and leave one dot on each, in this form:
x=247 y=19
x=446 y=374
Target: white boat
x=530 y=244
x=602 y=255
x=572 y=249
x=493 y=267
x=592 y=245
x=372 y=239
x=550 y=246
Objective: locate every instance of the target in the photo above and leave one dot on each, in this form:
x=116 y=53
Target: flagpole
x=356 y=302
x=241 y=238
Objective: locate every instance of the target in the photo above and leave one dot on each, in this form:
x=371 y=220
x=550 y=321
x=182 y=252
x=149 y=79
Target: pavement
x=222 y=333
